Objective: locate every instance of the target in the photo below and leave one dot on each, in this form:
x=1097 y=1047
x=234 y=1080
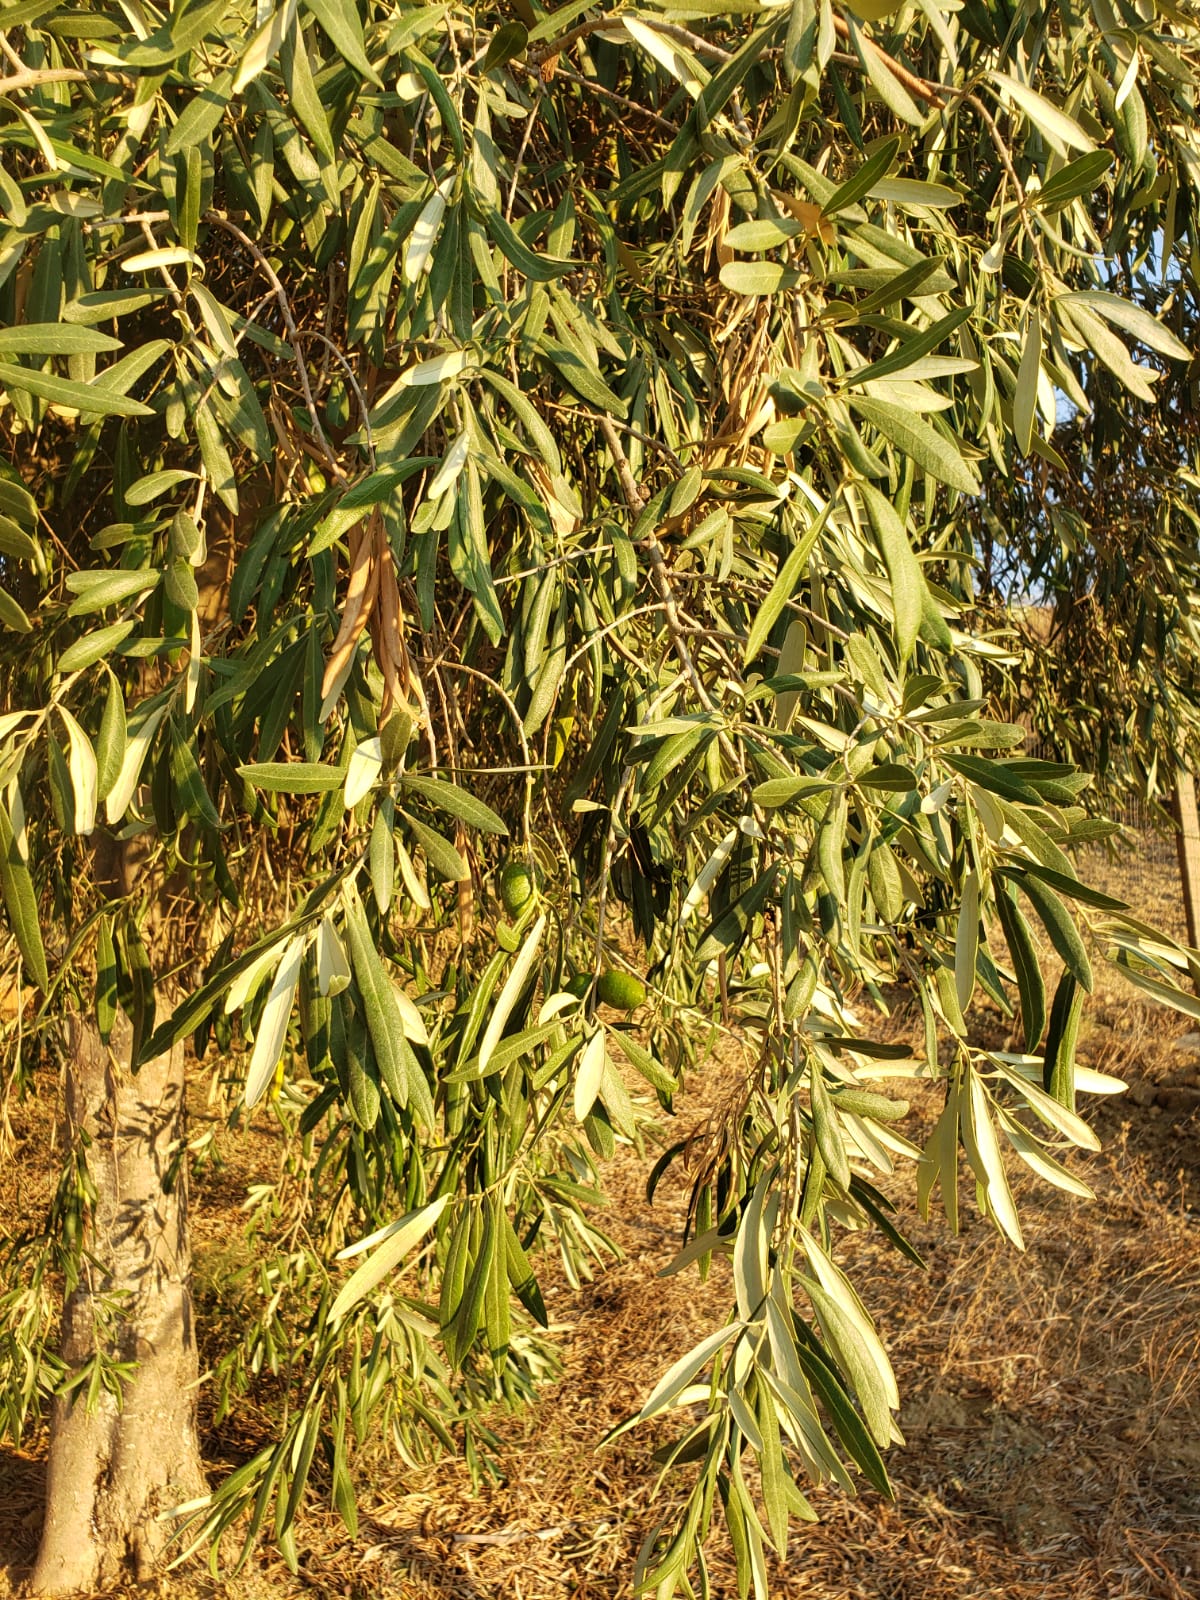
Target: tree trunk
x=115 y=1468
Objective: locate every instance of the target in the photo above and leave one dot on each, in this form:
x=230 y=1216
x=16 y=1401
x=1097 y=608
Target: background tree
x=1092 y=555
x=485 y=521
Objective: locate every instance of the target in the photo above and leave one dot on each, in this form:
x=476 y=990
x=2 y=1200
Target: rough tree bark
x=114 y=1469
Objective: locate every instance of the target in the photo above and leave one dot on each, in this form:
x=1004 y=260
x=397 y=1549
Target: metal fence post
x=1187 y=842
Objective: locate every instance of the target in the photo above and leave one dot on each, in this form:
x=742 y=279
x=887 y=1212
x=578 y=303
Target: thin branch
x=526 y=135
x=633 y=433
x=528 y=768
x=933 y=94
x=636 y=500
x=360 y=397
x=34 y=78
x=1006 y=160
x=294 y=335
x=618 y=99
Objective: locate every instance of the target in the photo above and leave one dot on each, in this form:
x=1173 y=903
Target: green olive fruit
x=580 y=985
x=516 y=887
x=621 y=990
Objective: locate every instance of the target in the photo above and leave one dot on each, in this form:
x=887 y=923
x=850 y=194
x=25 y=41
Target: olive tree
x=1090 y=562
x=489 y=509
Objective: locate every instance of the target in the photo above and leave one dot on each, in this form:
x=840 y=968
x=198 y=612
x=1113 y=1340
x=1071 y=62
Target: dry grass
x=1051 y=1401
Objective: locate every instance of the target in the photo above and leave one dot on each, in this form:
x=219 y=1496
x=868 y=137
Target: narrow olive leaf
x=707 y=876
x=340 y=20
x=54 y=339
x=904 y=570
x=304 y=95
x=860 y=183
x=589 y=1074
x=292 y=777
x=273 y=1024
x=966 y=944
x=20 y=900
x=15 y=542
x=1060 y=131
x=855 y=1358
x=441 y=855
x=81 y=763
x=831 y=844
x=364 y=770
x=680 y=63
x=248 y=979
x=1031 y=986
x=758 y=277
x=156 y=484
x=94 y=590
x=437 y=370
x=106 y=979
x=1058 y=1064
x=1083 y=322
x=826 y=1129
x=1134 y=319
x=913 y=193
x=1070 y=886
x=885 y=82
x=773 y=1469
x=508 y=42
x=538 y=269
x=889 y=776
x=1039 y=1162
x=1080 y=177
x=909 y=432
x=378 y=1001
x=264 y=44
x=777 y=792
x=460 y=1336
x=133 y=745
x=455 y=802
x=1028 y=375
x=191 y=790
x=381 y=857
x=677 y=1377
x=415 y=888
x=511 y=992
x=912 y=349
x=158 y=260
x=1177 y=999
x=418 y=252
x=90 y=308
x=983 y=1152
x=13 y=615
x=17 y=502
x=766 y=234
x=994 y=776
x=439 y=93
x=1060 y=926
x=784 y=586
x=93 y=647
x=333 y=968
x=394 y=1243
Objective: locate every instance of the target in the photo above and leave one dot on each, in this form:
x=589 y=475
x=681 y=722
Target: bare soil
x=1051 y=1401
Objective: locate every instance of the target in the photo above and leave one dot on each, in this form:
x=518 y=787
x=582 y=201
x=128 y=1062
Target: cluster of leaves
x=640 y=369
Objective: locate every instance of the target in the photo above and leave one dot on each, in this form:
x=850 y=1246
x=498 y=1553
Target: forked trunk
x=115 y=1468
